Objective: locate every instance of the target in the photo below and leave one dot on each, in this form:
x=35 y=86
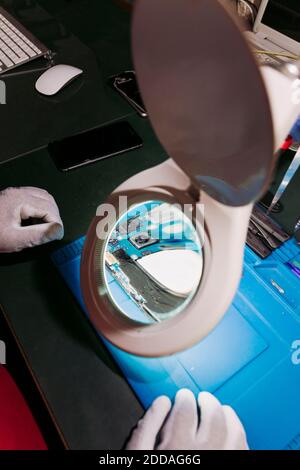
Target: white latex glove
x=19 y=204
x=179 y=429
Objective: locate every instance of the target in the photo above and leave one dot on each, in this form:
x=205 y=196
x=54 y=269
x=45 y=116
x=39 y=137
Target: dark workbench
x=91 y=402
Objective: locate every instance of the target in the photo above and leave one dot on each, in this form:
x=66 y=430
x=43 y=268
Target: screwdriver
x=286 y=180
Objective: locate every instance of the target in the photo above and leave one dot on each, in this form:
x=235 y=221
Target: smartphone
x=94 y=145
x=126 y=85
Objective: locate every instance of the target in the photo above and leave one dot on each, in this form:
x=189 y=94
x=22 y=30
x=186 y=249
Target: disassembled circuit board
x=139 y=237
x=142 y=240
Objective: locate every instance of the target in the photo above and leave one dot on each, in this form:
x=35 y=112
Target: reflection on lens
x=153 y=262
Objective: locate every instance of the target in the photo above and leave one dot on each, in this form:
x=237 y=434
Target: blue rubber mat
x=250 y=361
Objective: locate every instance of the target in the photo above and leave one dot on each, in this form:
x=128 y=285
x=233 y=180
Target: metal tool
x=297 y=230
x=269 y=225
x=257 y=245
x=264 y=234
x=286 y=180
x=271 y=241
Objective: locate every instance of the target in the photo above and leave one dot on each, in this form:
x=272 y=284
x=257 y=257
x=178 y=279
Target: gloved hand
x=295 y=132
x=20 y=204
x=160 y=429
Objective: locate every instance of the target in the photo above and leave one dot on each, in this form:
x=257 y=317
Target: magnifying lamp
x=159 y=273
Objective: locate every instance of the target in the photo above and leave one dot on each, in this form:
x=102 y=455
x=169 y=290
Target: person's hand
x=178 y=428
x=20 y=204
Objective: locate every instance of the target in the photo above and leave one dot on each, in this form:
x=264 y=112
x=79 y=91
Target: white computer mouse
x=56 y=78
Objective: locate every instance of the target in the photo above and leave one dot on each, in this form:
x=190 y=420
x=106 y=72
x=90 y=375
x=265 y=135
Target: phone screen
x=94 y=145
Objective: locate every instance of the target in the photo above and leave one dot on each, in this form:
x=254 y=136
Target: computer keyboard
x=17 y=45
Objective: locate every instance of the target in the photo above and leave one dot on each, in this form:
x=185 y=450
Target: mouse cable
x=277 y=54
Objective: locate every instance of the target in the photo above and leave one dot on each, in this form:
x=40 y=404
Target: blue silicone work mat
x=246 y=361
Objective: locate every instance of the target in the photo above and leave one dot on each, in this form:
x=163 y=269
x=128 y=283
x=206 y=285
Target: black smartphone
x=94 y=145
x=125 y=84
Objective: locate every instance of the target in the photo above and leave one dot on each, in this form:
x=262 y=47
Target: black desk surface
x=33 y=120
x=92 y=403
